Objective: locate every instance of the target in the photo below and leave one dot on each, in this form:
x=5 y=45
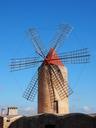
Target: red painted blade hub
x=52 y=58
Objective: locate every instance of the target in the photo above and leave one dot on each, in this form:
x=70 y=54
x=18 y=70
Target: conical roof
x=53 y=58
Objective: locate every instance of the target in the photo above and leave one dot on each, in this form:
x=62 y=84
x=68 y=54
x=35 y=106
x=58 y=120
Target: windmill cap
x=53 y=58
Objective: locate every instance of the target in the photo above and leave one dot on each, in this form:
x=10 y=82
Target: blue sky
x=19 y=15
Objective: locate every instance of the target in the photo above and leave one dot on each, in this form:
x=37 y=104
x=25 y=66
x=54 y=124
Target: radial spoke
x=51 y=88
x=76 y=57
x=62 y=33
x=59 y=83
x=32 y=88
x=36 y=42
x=24 y=63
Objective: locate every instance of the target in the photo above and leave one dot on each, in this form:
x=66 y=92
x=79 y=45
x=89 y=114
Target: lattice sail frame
x=32 y=88
x=58 y=82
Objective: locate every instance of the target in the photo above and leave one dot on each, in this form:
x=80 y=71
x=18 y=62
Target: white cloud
x=87 y=109
x=28 y=111
x=83 y=109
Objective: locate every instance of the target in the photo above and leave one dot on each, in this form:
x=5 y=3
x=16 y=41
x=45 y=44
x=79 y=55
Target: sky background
x=16 y=17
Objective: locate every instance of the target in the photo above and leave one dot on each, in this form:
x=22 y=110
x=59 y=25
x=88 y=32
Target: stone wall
x=75 y=120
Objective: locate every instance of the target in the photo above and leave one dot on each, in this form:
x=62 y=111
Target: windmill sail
x=60 y=84
x=32 y=88
x=36 y=41
x=79 y=56
x=63 y=31
x=24 y=63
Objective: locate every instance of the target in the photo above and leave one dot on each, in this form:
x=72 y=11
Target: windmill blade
x=36 y=41
x=32 y=88
x=51 y=88
x=60 y=84
x=24 y=63
x=76 y=57
x=63 y=32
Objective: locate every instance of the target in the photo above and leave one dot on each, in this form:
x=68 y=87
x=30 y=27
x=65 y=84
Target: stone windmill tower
x=53 y=89
x=50 y=81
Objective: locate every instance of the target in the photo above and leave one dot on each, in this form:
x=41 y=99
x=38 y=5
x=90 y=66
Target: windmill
x=50 y=81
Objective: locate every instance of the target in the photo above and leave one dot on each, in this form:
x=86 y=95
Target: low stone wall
x=75 y=120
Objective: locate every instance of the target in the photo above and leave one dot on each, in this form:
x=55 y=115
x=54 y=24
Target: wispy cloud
x=28 y=111
x=84 y=109
x=88 y=109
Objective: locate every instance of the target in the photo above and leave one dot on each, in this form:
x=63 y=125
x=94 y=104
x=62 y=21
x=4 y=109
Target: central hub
x=53 y=58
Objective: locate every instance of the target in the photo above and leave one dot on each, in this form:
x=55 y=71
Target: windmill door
x=50 y=126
